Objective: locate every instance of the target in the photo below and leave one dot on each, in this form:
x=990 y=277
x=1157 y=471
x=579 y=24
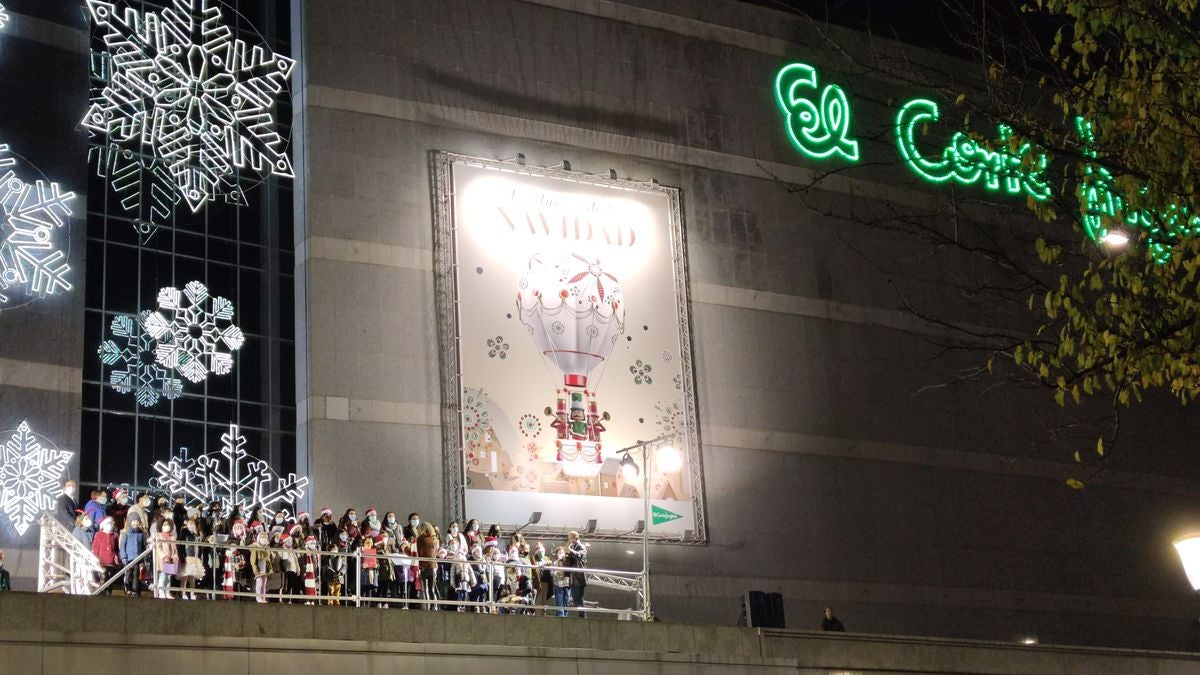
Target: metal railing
x=64 y=563
x=331 y=569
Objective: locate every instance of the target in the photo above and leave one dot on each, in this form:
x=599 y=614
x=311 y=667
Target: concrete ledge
x=58 y=633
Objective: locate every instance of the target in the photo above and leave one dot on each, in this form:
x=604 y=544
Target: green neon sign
x=966 y=160
x=1100 y=200
x=817 y=121
x=818 y=126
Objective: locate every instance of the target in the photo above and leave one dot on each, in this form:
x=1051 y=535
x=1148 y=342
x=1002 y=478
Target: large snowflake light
x=30 y=476
x=197 y=336
x=33 y=236
x=134 y=362
x=230 y=475
x=183 y=100
x=3 y=17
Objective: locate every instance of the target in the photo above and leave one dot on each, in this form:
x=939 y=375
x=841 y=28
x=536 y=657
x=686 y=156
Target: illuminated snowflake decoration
x=3 y=17
x=134 y=362
x=230 y=475
x=180 y=99
x=33 y=235
x=197 y=335
x=30 y=476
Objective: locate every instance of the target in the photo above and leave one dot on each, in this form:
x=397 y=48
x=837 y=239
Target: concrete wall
x=45 y=80
x=838 y=471
x=57 y=634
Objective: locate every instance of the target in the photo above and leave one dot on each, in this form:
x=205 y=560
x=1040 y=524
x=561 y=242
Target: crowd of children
x=221 y=552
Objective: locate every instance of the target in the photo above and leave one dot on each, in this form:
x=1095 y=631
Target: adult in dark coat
x=68 y=508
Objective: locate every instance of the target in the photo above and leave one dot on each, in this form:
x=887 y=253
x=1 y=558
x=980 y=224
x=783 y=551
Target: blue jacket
x=96 y=511
x=133 y=542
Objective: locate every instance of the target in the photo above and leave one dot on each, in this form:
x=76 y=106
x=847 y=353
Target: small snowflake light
x=197 y=335
x=34 y=220
x=185 y=100
x=134 y=362
x=3 y=17
x=230 y=475
x=31 y=471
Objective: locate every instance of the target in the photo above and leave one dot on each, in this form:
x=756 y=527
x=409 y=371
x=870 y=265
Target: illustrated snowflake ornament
x=530 y=425
x=641 y=372
x=231 y=475
x=30 y=476
x=497 y=347
x=670 y=418
x=33 y=236
x=134 y=360
x=476 y=421
x=198 y=336
x=190 y=104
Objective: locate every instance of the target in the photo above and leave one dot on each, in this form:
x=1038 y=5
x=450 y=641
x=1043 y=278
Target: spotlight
x=1115 y=239
x=669 y=459
x=591 y=526
x=629 y=468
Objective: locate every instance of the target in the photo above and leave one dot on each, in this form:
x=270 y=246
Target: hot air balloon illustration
x=575 y=312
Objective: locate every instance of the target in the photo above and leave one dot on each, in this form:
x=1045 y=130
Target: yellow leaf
x=1077 y=459
x=1074 y=484
x=960 y=99
x=1100 y=447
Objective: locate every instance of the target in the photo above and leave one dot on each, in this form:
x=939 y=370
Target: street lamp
x=669 y=460
x=1188 y=547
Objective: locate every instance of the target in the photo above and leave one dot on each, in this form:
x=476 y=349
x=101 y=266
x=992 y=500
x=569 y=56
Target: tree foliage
x=1126 y=320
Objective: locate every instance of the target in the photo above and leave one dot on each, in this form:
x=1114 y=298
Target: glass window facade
x=241 y=249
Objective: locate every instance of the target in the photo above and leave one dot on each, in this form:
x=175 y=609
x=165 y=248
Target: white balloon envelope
x=573 y=310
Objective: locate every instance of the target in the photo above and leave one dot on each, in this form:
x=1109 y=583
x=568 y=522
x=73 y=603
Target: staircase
x=64 y=564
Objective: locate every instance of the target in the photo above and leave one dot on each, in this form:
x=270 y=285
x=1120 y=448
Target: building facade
x=832 y=460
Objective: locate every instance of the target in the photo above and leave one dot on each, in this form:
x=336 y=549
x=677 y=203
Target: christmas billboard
x=565 y=295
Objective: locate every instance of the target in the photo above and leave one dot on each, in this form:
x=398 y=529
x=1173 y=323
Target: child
x=562 y=582
x=262 y=565
x=333 y=571
x=290 y=566
x=132 y=544
x=370 y=568
x=104 y=547
x=309 y=567
x=166 y=560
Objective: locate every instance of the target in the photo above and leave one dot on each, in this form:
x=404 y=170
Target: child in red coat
x=106 y=549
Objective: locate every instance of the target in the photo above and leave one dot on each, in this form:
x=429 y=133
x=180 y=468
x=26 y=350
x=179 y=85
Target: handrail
x=75 y=575
x=119 y=574
x=616 y=579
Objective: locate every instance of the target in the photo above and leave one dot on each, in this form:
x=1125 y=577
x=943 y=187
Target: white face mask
x=87 y=524
x=454 y=530
x=391 y=520
x=475 y=527
x=353 y=517
x=414 y=522
x=69 y=491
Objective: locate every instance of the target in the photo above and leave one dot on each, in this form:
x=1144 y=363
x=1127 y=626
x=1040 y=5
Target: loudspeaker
x=763 y=610
x=775 y=610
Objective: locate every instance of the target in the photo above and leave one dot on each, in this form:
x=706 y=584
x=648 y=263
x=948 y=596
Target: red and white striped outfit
x=310 y=579
x=227 y=581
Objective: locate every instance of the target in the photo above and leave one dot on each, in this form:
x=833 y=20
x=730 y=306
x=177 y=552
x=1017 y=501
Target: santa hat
x=490 y=541
x=296 y=529
x=284 y=536
x=326 y=511
x=107 y=519
x=378 y=539
x=120 y=492
x=302 y=515
x=372 y=512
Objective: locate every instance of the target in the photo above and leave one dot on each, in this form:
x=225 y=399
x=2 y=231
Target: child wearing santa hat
x=262 y=563
x=106 y=550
